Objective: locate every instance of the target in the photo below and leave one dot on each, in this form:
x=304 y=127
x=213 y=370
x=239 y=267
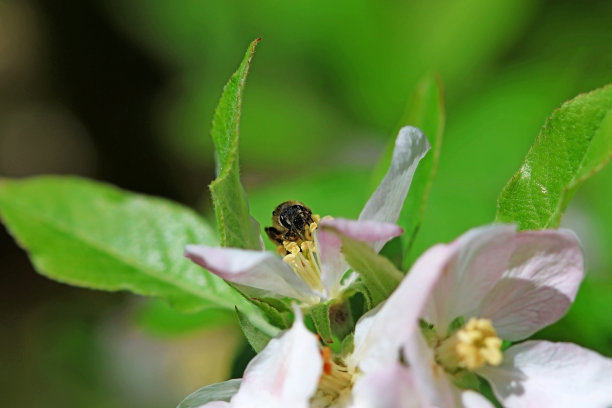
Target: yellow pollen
x=302 y=256
x=308 y=246
x=304 y=262
x=291 y=247
x=471 y=347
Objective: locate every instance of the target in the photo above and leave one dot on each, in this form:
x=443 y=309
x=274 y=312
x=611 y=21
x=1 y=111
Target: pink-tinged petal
x=333 y=265
x=476 y=262
x=257 y=269
x=387 y=201
x=285 y=373
x=430 y=378
x=394 y=330
x=366 y=231
x=380 y=337
x=390 y=387
x=545 y=374
x=543 y=276
x=364 y=343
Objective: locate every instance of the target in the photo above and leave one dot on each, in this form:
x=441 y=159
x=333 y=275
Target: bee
x=291 y=222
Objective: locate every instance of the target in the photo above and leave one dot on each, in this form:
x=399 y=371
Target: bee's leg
x=275 y=235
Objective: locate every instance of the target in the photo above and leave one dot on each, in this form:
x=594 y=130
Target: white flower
x=448 y=316
x=314 y=273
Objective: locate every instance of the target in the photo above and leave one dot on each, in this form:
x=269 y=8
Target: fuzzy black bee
x=291 y=222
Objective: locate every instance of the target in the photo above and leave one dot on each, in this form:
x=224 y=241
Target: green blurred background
x=123 y=91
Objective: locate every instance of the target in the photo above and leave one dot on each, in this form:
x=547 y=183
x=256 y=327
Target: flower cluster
x=452 y=329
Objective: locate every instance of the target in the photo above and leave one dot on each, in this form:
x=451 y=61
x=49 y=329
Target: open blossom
x=313 y=272
x=447 y=319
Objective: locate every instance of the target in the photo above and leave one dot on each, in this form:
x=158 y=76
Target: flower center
x=471 y=347
x=335 y=384
x=303 y=258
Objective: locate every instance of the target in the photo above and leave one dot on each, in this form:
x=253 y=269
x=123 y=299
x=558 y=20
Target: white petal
x=257 y=269
x=394 y=328
x=471 y=399
x=391 y=387
x=333 y=265
x=545 y=374
x=366 y=231
x=364 y=340
x=380 y=344
x=545 y=271
x=477 y=261
x=285 y=373
x=430 y=378
x=387 y=201
x=216 y=404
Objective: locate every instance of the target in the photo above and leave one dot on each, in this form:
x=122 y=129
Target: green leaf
x=574 y=143
x=214 y=392
x=237 y=228
x=377 y=272
x=277 y=313
x=320 y=318
x=258 y=335
x=425 y=110
x=94 y=235
x=348 y=345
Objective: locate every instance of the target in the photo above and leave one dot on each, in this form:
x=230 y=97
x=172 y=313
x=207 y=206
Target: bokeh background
x=123 y=91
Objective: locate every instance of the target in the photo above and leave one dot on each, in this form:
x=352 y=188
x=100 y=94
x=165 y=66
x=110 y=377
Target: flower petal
x=394 y=330
x=285 y=373
x=257 y=269
x=471 y=399
x=333 y=265
x=215 y=404
x=391 y=387
x=430 y=378
x=476 y=262
x=545 y=374
x=366 y=231
x=379 y=337
x=387 y=201
x=543 y=276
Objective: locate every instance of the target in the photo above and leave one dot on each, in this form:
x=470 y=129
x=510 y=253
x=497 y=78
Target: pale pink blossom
x=323 y=278
x=512 y=284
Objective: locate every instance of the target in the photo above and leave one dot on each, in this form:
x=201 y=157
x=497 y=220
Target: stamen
x=335 y=384
x=470 y=347
x=302 y=258
x=327 y=361
x=291 y=247
x=306 y=267
x=308 y=233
